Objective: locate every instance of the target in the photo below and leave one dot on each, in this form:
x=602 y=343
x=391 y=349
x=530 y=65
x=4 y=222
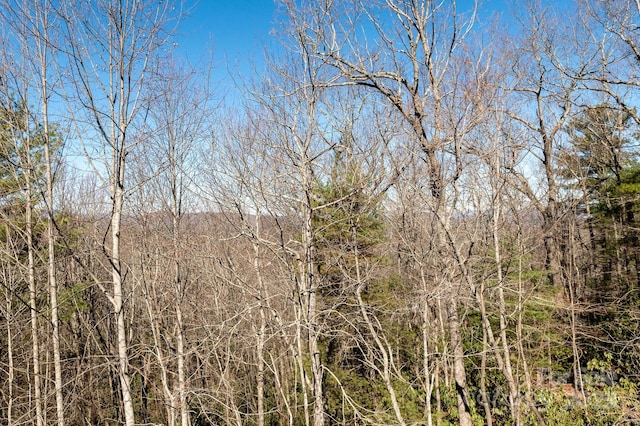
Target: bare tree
x=539 y=62
x=110 y=49
x=179 y=121
x=410 y=60
x=292 y=104
x=33 y=28
x=23 y=145
x=18 y=174
x=610 y=31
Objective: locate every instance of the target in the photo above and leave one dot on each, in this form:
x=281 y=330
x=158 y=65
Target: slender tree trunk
x=426 y=368
x=182 y=379
x=262 y=326
x=51 y=260
x=519 y=336
x=118 y=298
x=178 y=284
x=459 y=374
x=10 y=366
x=444 y=348
x=261 y=363
x=436 y=388
x=479 y=296
x=109 y=104
x=33 y=305
x=571 y=280
x=384 y=351
x=312 y=320
x=164 y=377
x=310 y=286
x=514 y=393
x=483 y=380
x=53 y=294
x=386 y=361
x=304 y=381
x=499 y=355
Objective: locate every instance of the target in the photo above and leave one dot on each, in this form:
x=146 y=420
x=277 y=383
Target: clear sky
x=234 y=30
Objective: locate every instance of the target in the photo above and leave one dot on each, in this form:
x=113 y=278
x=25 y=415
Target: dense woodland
x=417 y=213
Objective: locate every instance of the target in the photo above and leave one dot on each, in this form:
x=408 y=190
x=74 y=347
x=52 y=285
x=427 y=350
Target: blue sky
x=233 y=30
x=236 y=29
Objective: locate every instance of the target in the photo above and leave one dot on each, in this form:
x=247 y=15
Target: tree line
x=420 y=212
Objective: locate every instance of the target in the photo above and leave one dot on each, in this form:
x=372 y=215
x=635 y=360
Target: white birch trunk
x=118 y=301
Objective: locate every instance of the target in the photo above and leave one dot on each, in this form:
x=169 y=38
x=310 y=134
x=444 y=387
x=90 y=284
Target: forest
x=418 y=212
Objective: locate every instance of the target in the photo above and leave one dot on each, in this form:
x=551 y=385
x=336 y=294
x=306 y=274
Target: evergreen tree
x=353 y=269
x=605 y=141
x=348 y=224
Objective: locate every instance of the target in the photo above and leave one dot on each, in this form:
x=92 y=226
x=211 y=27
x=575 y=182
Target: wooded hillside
x=420 y=213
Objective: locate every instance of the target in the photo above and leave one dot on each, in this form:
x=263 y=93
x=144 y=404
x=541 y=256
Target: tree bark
x=31 y=277
x=8 y=294
x=118 y=297
x=43 y=44
x=428 y=375
x=310 y=288
x=459 y=374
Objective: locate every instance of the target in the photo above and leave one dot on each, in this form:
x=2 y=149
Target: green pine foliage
x=350 y=236
x=347 y=223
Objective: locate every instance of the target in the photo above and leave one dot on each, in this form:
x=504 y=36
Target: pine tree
x=608 y=174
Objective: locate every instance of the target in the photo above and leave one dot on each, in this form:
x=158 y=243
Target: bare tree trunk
x=261 y=365
x=123 y=41
x=8 y=294
x=459 y=375
x=307 y=278
x=53 y=287
x=483 y=380
x=514 y=392
x=384 y=351
x=281 y=385
x=19 y=140
x=32 y=27
x=178 y=281
x=444 y=348
x=436 y=387
x=304 y=380
x=37 y=375
x=169 y=403
x=520 y=339
x=428 y=375
x=182 y=379
x=118 y=296
x=310 y=288
x=257 y=264
x=43 y=44
x=571 y=280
